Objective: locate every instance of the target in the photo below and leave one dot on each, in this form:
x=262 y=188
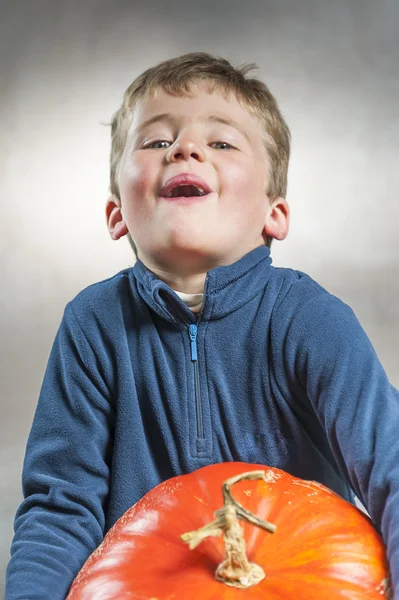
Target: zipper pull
x=193 y=338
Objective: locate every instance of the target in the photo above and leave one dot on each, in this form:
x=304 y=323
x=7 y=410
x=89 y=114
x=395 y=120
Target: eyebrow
x=204 y=119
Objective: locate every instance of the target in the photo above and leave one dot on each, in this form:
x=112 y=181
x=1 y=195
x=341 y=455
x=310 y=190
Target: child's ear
x=116 y=224
x=277 y=220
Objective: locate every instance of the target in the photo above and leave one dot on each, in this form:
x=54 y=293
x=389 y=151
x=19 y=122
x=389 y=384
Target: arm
x=329 y=354
x=66 y=472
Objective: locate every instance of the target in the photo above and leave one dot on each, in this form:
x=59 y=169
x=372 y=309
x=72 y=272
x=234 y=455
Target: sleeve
x=66 y=472
x=327 y=351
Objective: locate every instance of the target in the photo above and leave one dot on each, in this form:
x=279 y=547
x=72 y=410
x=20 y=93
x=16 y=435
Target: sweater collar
x=226 y=288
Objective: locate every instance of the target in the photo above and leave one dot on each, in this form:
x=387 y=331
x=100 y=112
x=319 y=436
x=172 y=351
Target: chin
x=188 y=242
x=186 y=257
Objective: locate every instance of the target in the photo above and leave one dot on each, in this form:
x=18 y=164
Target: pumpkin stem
x=235 y=570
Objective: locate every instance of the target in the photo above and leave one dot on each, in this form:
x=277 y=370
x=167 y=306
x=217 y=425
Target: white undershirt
x=193 y=301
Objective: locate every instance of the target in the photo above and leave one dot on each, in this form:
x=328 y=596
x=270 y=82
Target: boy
x=203 y=352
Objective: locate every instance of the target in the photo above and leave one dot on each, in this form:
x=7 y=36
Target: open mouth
x=186 y=191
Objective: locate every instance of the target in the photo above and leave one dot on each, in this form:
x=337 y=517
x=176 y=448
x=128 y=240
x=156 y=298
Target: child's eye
x=224 y=144
x=152 y=144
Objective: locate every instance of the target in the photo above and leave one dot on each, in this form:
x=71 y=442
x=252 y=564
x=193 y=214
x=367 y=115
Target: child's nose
x=184 y=149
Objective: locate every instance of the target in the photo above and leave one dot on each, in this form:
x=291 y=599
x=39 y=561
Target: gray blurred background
x=334 y=68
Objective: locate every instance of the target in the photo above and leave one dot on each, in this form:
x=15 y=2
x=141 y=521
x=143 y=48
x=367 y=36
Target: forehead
x=203 y=102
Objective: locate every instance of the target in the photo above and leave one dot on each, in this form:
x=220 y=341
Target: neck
x=183 y=272
x=187 y=272
x=188 y=284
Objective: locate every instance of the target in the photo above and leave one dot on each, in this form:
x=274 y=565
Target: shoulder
x=308 y=319
x=102 y=302
x=103 y=291
x=295 y=286
x=301 y=297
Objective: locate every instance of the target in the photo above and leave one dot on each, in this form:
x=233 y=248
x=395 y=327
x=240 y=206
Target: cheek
x=137 y=178
x=244 y=181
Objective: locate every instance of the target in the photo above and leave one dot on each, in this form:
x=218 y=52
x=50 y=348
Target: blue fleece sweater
x=273 y=370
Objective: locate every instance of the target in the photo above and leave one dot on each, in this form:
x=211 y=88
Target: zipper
x=193 y=330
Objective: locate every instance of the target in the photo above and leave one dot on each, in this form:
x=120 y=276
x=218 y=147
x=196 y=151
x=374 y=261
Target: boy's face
x=231 y=159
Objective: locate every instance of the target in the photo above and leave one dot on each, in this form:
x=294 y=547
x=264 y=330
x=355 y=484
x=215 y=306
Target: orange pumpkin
x=313 y=545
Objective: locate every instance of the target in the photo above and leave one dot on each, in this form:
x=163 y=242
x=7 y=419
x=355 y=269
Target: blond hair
x=178 y=76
